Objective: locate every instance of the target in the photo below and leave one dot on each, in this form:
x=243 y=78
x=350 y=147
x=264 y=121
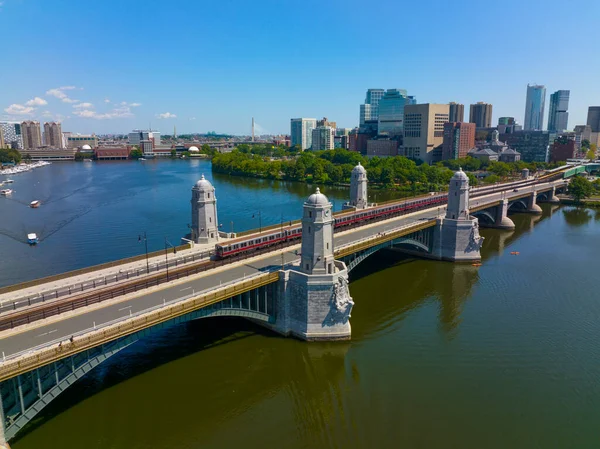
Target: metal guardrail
x=24 y=361
x=37 y=298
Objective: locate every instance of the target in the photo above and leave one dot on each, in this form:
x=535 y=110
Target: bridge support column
x=502 y=220
x=457 y=240
x=553 y=198
x=314 y=307
x=3 y=442
x=532 y=206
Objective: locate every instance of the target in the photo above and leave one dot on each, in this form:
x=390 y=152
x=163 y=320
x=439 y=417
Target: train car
x=291 y=233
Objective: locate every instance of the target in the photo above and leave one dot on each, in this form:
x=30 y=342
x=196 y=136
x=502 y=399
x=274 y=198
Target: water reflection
x=576 y=216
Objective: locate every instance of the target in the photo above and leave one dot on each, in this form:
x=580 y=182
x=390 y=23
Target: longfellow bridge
x=53 y=333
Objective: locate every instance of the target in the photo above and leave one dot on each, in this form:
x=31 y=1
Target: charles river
x=506 y=355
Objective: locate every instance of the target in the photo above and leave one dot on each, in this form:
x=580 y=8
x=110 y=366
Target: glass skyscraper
x=370 y=110
x=301 y=132
x=558 y=116
x=391 y=111
x=534 y=108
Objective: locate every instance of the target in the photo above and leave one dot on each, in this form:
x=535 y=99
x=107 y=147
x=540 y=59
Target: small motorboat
x=477 y=264
x=32 y=238
x=5 y=192
x=35 y=204
x=514 y=253
x=141 y=159
x=9 y=181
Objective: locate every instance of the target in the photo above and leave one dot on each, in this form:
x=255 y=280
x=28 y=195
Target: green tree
x=173 y=153
x=10 y=155
x=136 y=153
x=591 y=154
x=580 y=188
x=79 y=156
x=585 y=143
x=491 y=179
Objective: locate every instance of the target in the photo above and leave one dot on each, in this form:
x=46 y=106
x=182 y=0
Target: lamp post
x=259 y=222
x=146 y=244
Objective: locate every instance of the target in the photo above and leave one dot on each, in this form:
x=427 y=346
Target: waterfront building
x=532 y=145
x=323 y=138
x=112 y=152
x=481 y=114
x=53 y=136
x=458 y=139
x=558 y=116
x=301 y=132
x=147 y=148
x=205 y=228
x=534 y=107
x=423 y=129
x=32 y=135
x=593 y=118
x=79 y=140
x=456 y=112
x=391 y=112
x=370 y=109
x=137 y=135
x=12 y=134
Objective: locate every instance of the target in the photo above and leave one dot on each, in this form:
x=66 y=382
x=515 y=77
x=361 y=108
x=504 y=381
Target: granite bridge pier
x=290 y=278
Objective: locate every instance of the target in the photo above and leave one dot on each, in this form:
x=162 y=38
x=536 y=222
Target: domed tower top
x=460 y=175
x=359 y=169
x=203 y=184
x=317 y=198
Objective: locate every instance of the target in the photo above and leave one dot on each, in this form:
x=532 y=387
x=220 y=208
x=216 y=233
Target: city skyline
x=217 y=81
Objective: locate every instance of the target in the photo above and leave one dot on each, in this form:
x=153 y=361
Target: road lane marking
x=125 y=308
x=187 y=288
x=46 y=333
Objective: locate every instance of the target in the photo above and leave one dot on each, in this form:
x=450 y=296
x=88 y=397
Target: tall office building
x=534 y=108
x=2 y=144
x=424 y=129
x=137 y=135
x=32 y=135
x=12 y=135
x=457 y=112
x=593 y=118
x=391 y=112
x=582 y=132
x=558 y=116
x=323 y=138
x=53 y=135
x=533 y=145
x=301 y=132
x=370 y=109
x=459 y=138
x=481 y=114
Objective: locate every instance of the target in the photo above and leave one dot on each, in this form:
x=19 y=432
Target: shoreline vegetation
x=335 y=167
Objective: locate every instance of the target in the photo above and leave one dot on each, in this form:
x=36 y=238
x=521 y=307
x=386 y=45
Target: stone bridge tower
x=205 y=228
x=358 y=187
x=456 y=236
x=313 y=302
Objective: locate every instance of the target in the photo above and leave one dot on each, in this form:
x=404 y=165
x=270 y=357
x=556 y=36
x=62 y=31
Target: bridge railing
x=24 y=361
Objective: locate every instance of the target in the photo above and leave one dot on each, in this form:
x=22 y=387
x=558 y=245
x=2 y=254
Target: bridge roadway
x=44 y=332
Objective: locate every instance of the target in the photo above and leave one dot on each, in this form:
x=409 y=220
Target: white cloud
x=192 y=118
x=166 y=115
x=47 y=114
x=61 y=95
x=37 y=101
x=19 y=109
x=83 y=106
x=135 y=105
x=106 y=100
x=120 y=112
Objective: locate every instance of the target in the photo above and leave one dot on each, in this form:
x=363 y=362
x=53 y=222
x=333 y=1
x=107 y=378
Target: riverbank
x=590 y=202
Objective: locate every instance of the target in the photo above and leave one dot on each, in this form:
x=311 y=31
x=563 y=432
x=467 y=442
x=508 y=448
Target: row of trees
x=8 y=155
x=332 y=166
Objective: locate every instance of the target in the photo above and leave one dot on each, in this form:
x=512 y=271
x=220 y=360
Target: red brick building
x=111 y=153
x=562 y=149
x=459 y=138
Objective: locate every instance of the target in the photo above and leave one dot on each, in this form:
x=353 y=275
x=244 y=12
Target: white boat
x=9 y=181
x=32 y=238
x=141 y=159
x=35 y=204
x=5 y=192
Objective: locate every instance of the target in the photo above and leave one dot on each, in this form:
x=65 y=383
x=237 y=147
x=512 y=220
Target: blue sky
x=110 y=66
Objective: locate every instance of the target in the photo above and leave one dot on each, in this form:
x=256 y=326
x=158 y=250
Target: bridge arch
x=484 y=216
x=517 y=205
x=25 y=395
